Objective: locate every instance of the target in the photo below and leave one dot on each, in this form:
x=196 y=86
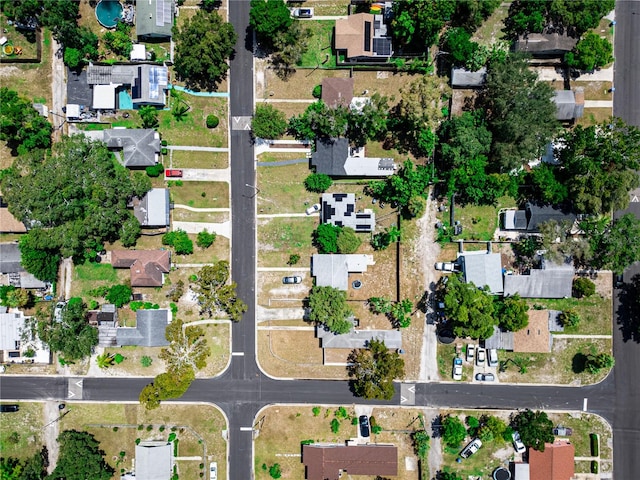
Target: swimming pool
x=108 y=12
x=125 y=102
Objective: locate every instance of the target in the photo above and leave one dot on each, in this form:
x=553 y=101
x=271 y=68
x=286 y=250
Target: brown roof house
x=363 y=38
x=147 y=266
x=535 y=338
x=555 y=463
x=328 y=462
x=9 y=223
x=337 y=91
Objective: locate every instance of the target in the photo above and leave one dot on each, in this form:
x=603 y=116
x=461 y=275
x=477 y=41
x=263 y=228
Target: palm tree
x=105 y=360
x=149 y=116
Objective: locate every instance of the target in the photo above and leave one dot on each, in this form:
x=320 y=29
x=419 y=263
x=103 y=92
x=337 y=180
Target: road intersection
x=242 y=390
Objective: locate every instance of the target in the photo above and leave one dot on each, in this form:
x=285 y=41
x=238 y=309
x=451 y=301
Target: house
x=340 y=209
x=462 y=78
x=9 y=223
x=10 y=264
x=147 y=266
x=330 y=461
x=358 y=338
x=152 y=210
x=535 y=338
x=363 y=38
x=333 y=270
x=545 y=45
x=134 y=147
x=555 y=463
x=519 y=470
x=532 y=216
x=149 y=330
x=18 y=342
x=569 y=104
x=154 y=461
x=337 y=91
x=154 y=19
x=483 y=269
x=110 y=84
x=334 y=157
x=550 y=281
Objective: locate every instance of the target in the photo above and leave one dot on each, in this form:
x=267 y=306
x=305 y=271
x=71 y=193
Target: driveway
x=223 y=228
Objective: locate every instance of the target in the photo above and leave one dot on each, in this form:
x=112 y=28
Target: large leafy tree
x=37 y=257
x=417 y=23
x=72 y=337
x=328 y=306
x=216 y=293
x=469 y=309
x=599 y=165
x=411 y=182
x=21 y=126
x=319 y=121
x=270 y=19
x=520 y=113
x=77 y=198
x=268 y=122
x=325 y=238
x=615 y=245
x=187 y=346
x=80 y=458
x=535 y=428
x=471 y=13
x=599 y=361
x=32 y=468
x=512 y=313
x=368 y=122
x=373 y=369
x=453 y=431
x=591 y=52
x=203 y=45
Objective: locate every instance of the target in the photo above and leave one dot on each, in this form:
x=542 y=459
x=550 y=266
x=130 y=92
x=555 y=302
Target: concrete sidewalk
x=223 y=228
x=549 y=74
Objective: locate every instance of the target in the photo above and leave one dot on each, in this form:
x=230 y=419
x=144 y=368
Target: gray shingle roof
x=483 y=269
x=154 y=19
x=462 y=78
x=332 y=157
x=149 y=329
x=340 y=209
x=153 y=209
x=333 y=270
x=540 y=214
x=548 y=283
x=140 y=146
x=569 y=104
x=10 y=258
x=545 y=44
x=358 y=338
x=500 y=340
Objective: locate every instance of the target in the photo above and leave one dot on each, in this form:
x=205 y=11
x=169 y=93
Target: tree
x=410 y=181
x=319 y=121
x=205 y=239
x=469 y=309
x=569 y=318
x=471 y=13
x=369 y=122
x=203 y=45
x=72 y=58
x=520 y=113
x=21 y=126
x=447 y=476
x=269 y=19
x=347 y=240
x=373 y=369
x=547 y=187
x=215 y=293
x=512 y=313
x=174 y=383
x=268 y=122
x=119 y=41
x=598 y=362
x=179 y=240
x=149 y=116
x=535 y=428
x=119 y=295
x=15 y=297
x=36 y=259
x=382 y=240
x=105 y=360
x=599 y=166
x=77 y=200
x=328 y=306
x=150 y=397
x=453 y=431
x=400 y=313
x=416 y=23
x=32 y=468
x=325 y=238
x=73 y=337
x=80 y=458
x=187 y=347
x=462 y=51
x=318 y=182
x=615 y=245
x=590 y=53
x=583 y=287
x=212 y=121
x=420 y=440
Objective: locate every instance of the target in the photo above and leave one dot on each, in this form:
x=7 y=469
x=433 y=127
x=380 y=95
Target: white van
x=493 y=357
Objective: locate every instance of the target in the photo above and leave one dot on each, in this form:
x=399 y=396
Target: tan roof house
x=363 y=37
x=9 y=223
x=337 y=91
x=147 y=266
x=555 y=463
x=535 y=337
x=329 y=462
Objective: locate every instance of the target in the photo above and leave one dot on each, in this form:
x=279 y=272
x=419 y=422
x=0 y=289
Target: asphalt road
x=626 y=98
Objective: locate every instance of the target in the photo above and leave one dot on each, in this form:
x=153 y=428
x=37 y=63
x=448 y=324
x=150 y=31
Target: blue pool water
x=125 y=102
x=108 y=12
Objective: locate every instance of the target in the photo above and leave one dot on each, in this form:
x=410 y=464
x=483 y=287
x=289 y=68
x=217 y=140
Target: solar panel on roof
x=367 y=36
x=382 y=46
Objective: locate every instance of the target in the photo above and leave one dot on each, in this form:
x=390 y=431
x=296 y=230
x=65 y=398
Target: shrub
x=212 y=121
x=137 y=441
x=306 y=442
x=268 y=122
x=172 y=435
x=115 y=429
x=318 y=182
x=316 y=411
x=569 y=318
x=174 y=308
x=595 y=447
x=376 y=429
x=164 y=143
x=140 y=427
x=354 y=421
x=180 y=241
x=119 y=295
x=341 y=412
x=274 y=471
x=118 y=358
x=420 y=443
x=149 y=428
x=205 y=239
x=583 y=287
x=335 y=425
x=293 y=259
x=162 y=427
x=347 y=240
x=594 y=466
x=326 y=238
x=317 y=91
x=155 y=170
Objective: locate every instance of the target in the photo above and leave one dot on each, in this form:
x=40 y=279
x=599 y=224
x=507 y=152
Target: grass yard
x=28 y=423
x=282 y=189
x=594 y=116
x=582 y=425
x=88 y=276
x=272 y=292
x=299 y=85
x=25 y=41
x=281 y=156
x=182 y=215
x=218 y=251
x=595 y=313
x=183 y=159
x=201 y=194
x=593 y=90
x=280 y=237
x=446 y=354
x=491 y=30
x=328 y=7
x=319 y=53
x=479 y=222
x=192 y=130
x=197 y=427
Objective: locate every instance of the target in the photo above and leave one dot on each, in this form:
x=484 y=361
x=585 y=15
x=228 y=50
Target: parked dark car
x=364 y=426
x=485 y=377
x=562 y=431
x=9 y=408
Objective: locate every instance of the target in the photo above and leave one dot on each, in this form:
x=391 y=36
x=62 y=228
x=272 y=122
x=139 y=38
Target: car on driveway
x=457 y=368
x=471 y=352
x=472 y=448
x=213 y=471
x=292 y=280
x=517 y=443
x=313 y=209
x=485 y=377
x=562 y=431
x=173 y=173
x=492 y=357
x=445 y=266
x=302 y=12
x=480 y=357
x=364 y=426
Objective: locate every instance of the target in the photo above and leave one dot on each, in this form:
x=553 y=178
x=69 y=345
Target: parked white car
x=446 y=266
x=471 y=352
x=517 y=443
x=457 y=368
x=492 y=357
x=481 y=357
x=313 y=209
x=472 y=448
x=302 y=12
x=213 y=471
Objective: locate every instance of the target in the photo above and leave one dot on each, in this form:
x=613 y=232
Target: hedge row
x=595 y=447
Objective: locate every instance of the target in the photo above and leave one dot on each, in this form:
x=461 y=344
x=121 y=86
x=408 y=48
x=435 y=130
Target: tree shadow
x=628 y=313
x=579 y=363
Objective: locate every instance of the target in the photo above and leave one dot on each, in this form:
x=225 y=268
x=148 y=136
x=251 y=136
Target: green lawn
x=282 y=189
x=280 y=237
x=479 y=222
x=191 y=130
x=88 y=276
x=595 y=313
x=28 y=423
x=319 y=45
x=216 y=194
x=184 y=159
